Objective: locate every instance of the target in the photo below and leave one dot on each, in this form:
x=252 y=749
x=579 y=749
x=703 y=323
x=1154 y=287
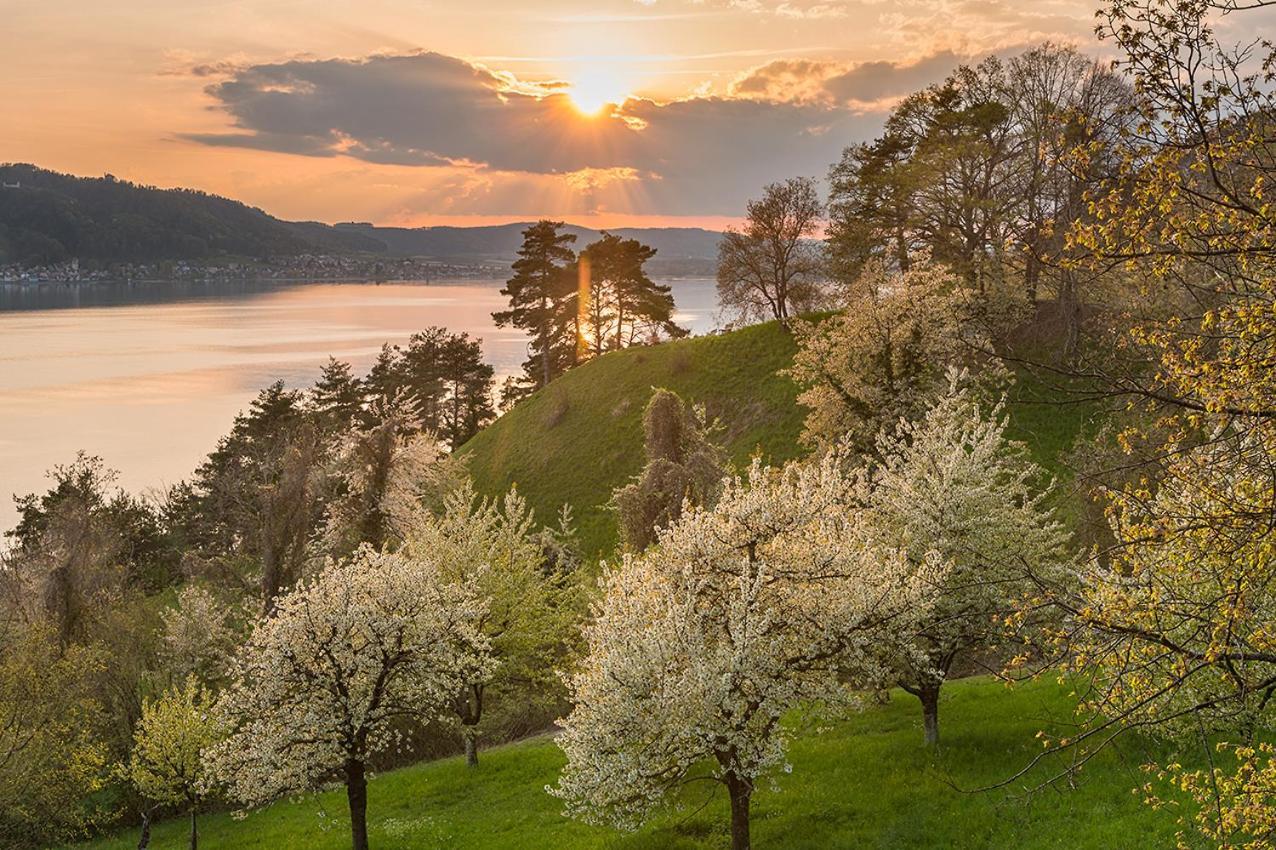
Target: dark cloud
x=868 y=84
x=695 y=156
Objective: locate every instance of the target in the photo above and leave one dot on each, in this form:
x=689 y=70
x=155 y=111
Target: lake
x=148 y=376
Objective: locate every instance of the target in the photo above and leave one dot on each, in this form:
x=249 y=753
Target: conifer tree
x=541 y=303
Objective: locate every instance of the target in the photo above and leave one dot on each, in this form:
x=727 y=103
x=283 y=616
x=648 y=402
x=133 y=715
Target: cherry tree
x=326 y=683
x=700 y=645
x=950 y=482
x=494 y=545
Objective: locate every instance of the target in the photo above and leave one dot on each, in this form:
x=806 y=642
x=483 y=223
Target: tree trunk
x=144 y=840
x=740 y=790
x=357 y=795
x=471 y=746
x=929 y=696
x=194 y=832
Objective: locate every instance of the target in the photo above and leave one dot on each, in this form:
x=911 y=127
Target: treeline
x=576 y=307
x=48 y=218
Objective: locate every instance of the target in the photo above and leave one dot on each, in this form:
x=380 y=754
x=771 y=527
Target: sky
x=419 y=112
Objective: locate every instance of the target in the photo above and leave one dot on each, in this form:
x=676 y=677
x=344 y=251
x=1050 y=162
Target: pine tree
x=623 y=300
x=539 y=293
x=337 y=397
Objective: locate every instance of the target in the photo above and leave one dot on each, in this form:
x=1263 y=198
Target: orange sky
x=442 y=111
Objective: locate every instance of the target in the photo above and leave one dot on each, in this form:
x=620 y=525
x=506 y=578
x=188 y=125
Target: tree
x=986 y=173
x=337 y=397
x=951 y=483
x=468 y=387
x=257 y=500
x=323 y=684
x=441 y=376
x=167 y=763
x=618 y=301
x=69 y=552
x=494 y=546
x=773 y=266
x=683 y=466
x=52 y=757
x=539 y=293
x=699 y=646
x=1170 y=625
x=385 y=469
x=885 y=356
x=199 y=637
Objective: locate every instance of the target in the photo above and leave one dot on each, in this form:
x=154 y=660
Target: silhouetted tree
x=541 y=303
x=621 y=301
x=773 y=266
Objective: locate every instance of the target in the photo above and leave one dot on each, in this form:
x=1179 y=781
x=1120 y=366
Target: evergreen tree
x=623 y=302
x=467 y=383
x=541 y=301
x=337 y=397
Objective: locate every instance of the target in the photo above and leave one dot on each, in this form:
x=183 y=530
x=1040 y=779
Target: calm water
x=149 y=376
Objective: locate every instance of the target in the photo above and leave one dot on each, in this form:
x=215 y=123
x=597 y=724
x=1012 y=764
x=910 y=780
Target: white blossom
x=740 y=613
x=322 y=682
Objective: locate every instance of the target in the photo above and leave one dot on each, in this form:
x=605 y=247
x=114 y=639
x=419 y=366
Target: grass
x=581 y=437
x=864 y=782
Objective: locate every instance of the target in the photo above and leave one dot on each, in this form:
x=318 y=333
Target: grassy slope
x=866 y=782
x=581 y=438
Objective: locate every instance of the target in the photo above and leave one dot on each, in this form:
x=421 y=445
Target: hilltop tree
x=683 y=466
x=702 y=644
x=985 y=173
x=540 y=295
x=167 y=762
x=326 y=682
x=620 y=301
x=951 y=484
x=494 y=546
x=773 y=267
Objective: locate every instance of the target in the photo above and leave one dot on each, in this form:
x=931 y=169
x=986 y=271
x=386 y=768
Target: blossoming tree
x=323 y=683
x=701 y=644
x=494 y=545
x=950 y=482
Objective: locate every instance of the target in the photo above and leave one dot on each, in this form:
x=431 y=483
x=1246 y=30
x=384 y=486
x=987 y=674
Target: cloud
x=866 y=85
x=697 y=156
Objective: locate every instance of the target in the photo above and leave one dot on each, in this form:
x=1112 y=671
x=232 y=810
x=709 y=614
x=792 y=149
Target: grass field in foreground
x=865 y=782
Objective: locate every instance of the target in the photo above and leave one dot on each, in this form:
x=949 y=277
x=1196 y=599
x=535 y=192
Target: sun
x=596 y=87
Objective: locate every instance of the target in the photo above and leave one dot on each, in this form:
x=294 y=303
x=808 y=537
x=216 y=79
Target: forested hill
x=47 y=217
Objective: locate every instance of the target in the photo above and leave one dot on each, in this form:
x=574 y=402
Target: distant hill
x=685 y=246
x=47 y=217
